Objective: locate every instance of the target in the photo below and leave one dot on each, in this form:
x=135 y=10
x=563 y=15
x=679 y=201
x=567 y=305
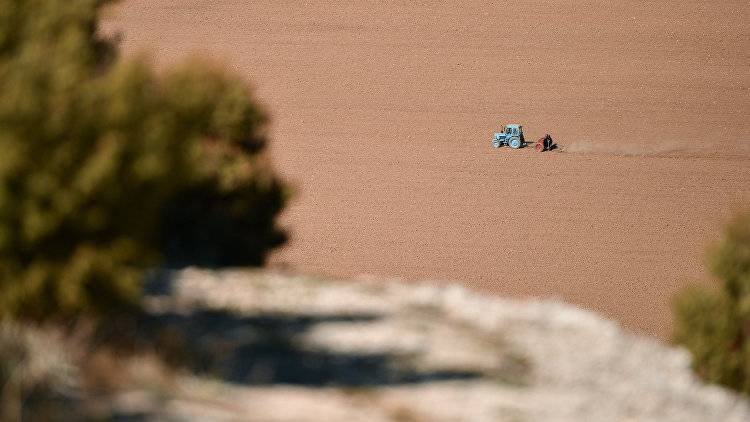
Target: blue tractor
x=511 y=136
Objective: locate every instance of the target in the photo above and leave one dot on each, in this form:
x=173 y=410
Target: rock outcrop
x=275 y=347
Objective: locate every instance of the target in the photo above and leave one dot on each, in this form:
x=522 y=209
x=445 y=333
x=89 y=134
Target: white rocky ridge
x=383 y=350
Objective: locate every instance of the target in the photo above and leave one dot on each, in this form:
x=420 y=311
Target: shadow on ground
x=267 y=349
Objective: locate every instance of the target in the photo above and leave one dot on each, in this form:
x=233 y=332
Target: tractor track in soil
x=383 y=114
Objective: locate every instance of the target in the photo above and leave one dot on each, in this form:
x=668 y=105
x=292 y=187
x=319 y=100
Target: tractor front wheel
x=496 y=144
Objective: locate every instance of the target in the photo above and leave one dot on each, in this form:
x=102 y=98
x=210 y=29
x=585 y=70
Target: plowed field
x=383 y=112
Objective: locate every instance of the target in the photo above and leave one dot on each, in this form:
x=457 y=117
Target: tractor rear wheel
x=515 y=143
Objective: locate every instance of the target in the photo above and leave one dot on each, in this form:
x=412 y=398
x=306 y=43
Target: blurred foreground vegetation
x=107 y=169
x=714 y=324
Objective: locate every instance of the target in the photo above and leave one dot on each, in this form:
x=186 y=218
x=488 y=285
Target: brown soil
x=383 y=113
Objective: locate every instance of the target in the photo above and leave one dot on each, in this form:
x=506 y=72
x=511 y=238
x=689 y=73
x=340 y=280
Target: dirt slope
x=383 y=113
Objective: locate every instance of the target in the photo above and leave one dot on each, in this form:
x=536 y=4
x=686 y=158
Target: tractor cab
x=512 y=129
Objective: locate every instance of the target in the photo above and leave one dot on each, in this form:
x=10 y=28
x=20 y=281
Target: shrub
x=107 y=168
x=714 y=324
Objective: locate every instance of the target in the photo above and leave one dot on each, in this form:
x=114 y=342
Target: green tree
x=714 y=324
x=107 y=168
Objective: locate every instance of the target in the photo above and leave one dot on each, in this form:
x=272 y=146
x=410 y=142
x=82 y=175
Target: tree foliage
x=714 y=324
x=107 y=168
